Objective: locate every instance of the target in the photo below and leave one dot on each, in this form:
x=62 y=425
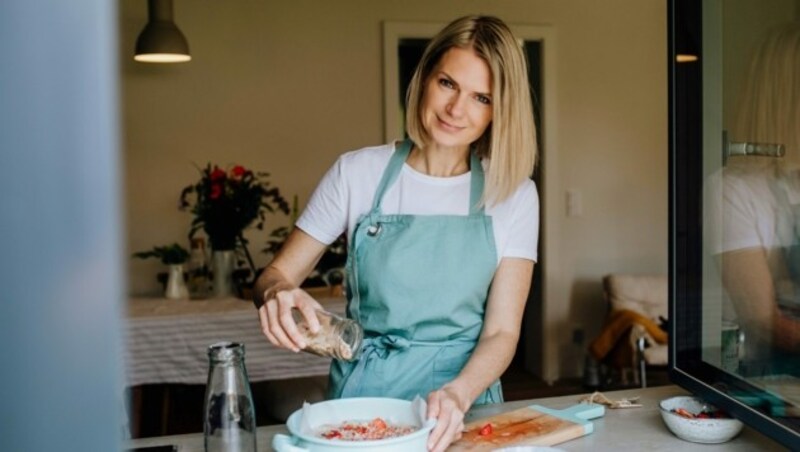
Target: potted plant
x=224 y=204
x=173 y=256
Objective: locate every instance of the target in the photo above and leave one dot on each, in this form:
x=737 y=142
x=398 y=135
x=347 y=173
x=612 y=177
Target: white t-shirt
x=745 y=211
x=750 y=204
x=347 y=190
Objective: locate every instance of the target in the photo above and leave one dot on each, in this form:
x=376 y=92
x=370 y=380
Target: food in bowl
x=365 y=431
x=305 y=423
x=705 y=414
x=691 y=419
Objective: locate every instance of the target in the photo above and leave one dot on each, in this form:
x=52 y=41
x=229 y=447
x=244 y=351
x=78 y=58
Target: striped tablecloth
x=167 y=341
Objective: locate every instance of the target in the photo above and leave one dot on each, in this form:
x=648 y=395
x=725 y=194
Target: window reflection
x=753 y=212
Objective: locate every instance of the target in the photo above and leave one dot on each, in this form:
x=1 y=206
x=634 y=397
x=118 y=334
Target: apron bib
x=418 y=285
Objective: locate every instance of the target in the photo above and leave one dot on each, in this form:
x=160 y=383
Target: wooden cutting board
x=531 y=426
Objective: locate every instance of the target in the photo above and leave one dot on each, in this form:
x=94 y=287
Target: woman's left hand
x=448 y=409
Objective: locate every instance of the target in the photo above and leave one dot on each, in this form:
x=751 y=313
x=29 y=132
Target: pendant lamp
x=161 y=41
x=686 y=36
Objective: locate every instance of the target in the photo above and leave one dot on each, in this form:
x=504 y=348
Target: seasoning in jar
x=337 y=337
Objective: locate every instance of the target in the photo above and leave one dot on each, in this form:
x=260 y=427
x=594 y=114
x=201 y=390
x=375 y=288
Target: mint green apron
x=418 y=284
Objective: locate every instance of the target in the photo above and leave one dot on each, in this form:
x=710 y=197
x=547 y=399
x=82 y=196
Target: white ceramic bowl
x=394 y=411
x=708 y=431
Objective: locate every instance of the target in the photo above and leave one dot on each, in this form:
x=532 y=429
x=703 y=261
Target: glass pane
x=751 y=199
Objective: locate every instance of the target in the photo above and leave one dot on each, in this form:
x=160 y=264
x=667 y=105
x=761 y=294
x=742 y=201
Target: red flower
x=217 y=174
x=238 y=171
x=216 y=191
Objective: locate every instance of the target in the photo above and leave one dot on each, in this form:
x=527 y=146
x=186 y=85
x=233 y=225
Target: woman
x=442 y=231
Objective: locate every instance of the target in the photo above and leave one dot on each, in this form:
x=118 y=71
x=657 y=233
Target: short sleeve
x=523 y=227
x=737 y=224
x=325 y=216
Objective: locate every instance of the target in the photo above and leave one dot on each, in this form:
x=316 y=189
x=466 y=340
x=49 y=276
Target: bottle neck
x=226 y=353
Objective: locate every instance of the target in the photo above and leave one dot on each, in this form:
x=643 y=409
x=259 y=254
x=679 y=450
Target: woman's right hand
x=276 y=319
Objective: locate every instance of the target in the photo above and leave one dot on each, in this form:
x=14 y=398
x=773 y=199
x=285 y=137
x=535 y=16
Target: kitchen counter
x=620 y=429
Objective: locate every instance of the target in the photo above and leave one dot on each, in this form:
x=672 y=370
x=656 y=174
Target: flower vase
x=176 y=285
x=223 y=262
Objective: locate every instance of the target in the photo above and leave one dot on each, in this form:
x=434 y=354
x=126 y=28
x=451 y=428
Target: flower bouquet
x=225 y=203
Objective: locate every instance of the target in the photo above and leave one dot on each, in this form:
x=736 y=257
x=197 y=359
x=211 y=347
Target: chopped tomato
x=683 y=413
x=486 y=430
x=379 y=423
x=333 y=434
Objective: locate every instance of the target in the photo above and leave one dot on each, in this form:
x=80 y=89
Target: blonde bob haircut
x=509 y=142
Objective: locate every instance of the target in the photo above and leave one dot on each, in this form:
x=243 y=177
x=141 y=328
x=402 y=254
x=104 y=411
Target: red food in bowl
x=377 y=411
x=365 y=431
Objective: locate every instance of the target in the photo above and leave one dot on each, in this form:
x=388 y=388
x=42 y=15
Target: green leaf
x=169 y=255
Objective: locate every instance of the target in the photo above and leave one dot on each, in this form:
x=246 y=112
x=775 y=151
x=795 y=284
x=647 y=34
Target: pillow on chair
x=645 y=294
x=638 y=306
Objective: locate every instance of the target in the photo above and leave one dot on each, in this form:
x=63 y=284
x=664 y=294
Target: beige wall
x=286 y=86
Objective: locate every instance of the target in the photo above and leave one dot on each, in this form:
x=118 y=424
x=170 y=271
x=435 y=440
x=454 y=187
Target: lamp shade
x=686 y=38
x=161 y=41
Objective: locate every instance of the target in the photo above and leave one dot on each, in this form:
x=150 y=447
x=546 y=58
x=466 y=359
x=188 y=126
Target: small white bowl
x=707 y=431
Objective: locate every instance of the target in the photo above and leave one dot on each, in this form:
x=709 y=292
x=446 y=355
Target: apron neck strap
x=398 y=159
x=399 y=156
x=476 y=184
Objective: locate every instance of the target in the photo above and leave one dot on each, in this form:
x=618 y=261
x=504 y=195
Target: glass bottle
x=229 y=422
x=337 y=337
x=199 y=281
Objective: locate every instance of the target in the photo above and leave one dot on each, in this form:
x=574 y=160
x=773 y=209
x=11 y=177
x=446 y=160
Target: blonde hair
x=768 y=110
x=510 y=140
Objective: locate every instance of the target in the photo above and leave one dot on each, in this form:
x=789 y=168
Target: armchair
x=631 y=338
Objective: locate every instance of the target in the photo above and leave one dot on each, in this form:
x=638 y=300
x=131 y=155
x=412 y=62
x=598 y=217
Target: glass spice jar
x=337 y=337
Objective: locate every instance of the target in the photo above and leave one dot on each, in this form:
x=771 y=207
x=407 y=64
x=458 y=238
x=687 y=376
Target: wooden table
x=621 y=429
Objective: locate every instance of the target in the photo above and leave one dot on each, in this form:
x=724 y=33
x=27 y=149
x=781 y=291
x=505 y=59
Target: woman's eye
x=484 y=99
x=446 y=83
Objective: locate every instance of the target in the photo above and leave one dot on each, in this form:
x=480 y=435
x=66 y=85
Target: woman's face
x=457 y=101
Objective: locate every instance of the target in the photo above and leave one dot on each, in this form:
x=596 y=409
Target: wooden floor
x=176 y=409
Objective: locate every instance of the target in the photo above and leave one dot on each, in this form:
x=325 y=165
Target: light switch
x=574 y=203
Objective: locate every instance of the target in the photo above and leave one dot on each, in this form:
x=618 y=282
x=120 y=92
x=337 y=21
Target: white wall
x=287 y=86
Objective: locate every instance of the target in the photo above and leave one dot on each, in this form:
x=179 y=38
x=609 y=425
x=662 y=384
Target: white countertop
x=620 y=429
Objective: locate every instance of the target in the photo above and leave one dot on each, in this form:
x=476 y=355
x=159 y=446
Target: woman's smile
x=447 y=126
